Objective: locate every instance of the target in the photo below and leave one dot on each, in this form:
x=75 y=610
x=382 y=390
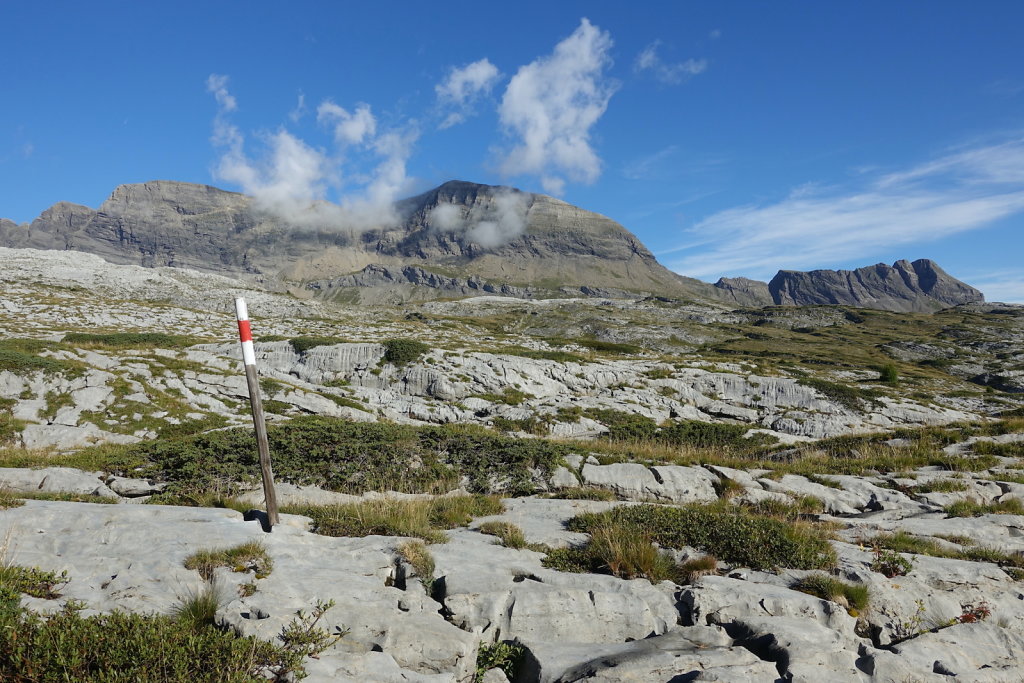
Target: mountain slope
x=549 y=245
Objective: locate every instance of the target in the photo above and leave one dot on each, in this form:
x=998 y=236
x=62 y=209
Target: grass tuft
x=387 y=516
x=854 y=597
x=251 y=556
x=511 y=536
x=416 y=554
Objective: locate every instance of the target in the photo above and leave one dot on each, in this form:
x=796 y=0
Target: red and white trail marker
x=252 y=379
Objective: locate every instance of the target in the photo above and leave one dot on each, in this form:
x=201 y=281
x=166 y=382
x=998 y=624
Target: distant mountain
x=920 y=286
x=456 y=240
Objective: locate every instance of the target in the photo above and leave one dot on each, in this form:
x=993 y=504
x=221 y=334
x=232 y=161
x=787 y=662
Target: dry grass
x=510 y=535
x=423 y=518
x=418 y=556
x=691 y=570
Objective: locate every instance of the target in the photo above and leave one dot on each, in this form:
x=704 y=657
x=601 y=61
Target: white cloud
x=291 y=179
x=551 y=104
x=300 y=109
x=349 y=128
x=489 y=224
x=218 y=85
x=962 y=191
x=446 y=217
x=463 y=86
x=649 y=60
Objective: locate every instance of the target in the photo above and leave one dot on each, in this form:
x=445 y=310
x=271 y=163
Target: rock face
x=919 y=286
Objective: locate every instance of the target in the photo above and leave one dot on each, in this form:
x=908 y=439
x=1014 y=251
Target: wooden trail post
x=249 y=360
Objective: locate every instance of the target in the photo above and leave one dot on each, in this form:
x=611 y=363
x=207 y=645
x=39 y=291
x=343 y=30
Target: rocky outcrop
x=744 y=291
x=919 y=286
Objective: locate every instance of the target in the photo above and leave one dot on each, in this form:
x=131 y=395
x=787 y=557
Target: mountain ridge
x=456 y=239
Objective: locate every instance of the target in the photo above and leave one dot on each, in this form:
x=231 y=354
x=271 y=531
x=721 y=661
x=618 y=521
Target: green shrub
x=33 y=581
x=506 y=656
x=20 y=362
x=509 y=396
x=968 y=508
x=624 y=426
x=350 y=457
x=890 y=563
x=125 y=648
x=346 y=402
x=888 y=374
x=731 y=534
x=128 y=340
x=560 y=356
x=609 y=347
x=400 y=352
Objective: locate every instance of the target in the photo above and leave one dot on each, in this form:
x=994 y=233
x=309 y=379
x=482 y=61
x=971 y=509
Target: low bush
x=33 y=581
x=128 y=340
x=969 y=508
x=351 y=457
x=730 y=533
x=629 y=427
x=401 y=352
x=124 y=648
x=888 y=374
x=506 y=656
x=20 y=362
x=844 y=395
x=890 y=563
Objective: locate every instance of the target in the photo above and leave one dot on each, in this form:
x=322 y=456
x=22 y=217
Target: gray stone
x=668 y=483
x=54 y=480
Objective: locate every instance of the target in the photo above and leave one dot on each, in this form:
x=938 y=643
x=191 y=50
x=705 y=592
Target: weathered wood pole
x=251 y=378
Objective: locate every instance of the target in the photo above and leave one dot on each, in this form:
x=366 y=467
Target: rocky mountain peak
x=920 y=285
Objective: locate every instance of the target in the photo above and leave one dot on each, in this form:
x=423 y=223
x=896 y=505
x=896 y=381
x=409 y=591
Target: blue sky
x=733 y=138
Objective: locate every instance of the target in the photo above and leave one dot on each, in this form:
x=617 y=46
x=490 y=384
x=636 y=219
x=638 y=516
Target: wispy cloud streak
x=813 y=227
